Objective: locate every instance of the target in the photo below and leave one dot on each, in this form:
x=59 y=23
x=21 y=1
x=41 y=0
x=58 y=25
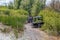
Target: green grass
x=14 y=18
x=51 y=20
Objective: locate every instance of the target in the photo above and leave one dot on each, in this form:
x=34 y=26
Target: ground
x=29 y=34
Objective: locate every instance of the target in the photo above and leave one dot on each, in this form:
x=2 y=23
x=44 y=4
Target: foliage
x=16 y=14
x=51 y=20
x=17 y=4
x=37 y=6
x=14 y=18
x=10 y=5
x=32 y=6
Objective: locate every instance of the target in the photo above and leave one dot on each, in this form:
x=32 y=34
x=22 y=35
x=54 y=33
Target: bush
x=4 y=11
x=51 y=20
x=18 y=12
x=14 y=18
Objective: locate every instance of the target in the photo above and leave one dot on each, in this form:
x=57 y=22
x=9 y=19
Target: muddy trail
x=28 y=34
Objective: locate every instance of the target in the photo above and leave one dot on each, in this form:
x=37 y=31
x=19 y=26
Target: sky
x=3 y=2
x=48 y=2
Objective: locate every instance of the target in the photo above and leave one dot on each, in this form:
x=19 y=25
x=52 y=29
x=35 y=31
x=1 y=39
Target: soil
x=28 y=34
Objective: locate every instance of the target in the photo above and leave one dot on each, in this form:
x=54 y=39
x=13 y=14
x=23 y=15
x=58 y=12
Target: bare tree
x=55 y=4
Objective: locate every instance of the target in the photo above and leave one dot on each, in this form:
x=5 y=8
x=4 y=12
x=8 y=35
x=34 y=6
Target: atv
x=37 y=22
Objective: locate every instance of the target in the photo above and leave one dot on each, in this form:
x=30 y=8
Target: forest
x=15 y=14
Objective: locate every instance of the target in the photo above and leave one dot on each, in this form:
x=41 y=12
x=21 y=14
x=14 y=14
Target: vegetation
x=14 y=18
x=15 y=15
x=51 y=21
x=32 y=6
x=55 y=4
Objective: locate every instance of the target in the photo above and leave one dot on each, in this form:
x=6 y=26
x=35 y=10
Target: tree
x=55 y=4
x=37 y=6
x=10 y=5
x=27 y=5
x=17 y=4
x=32 y=6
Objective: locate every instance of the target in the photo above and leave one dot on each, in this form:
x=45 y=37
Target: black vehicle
x=37 y=21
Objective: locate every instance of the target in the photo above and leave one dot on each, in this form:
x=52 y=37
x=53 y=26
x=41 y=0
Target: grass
x=14 y=18
x=51 y=20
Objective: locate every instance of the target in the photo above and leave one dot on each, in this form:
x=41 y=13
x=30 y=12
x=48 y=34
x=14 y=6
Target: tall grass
x=51 y=20
x=14 y=18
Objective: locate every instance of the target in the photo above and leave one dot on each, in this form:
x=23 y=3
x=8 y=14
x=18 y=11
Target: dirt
x=29 y=34
x=34 y=33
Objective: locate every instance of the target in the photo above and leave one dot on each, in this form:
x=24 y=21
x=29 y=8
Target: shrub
x=14 y=18
x=51 y=20
x=18 y=12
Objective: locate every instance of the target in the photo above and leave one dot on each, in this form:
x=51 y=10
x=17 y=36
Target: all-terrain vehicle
x=37 y=21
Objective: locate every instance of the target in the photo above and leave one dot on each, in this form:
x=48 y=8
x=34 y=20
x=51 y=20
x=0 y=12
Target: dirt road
x=28 y=34
x=33 y=33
